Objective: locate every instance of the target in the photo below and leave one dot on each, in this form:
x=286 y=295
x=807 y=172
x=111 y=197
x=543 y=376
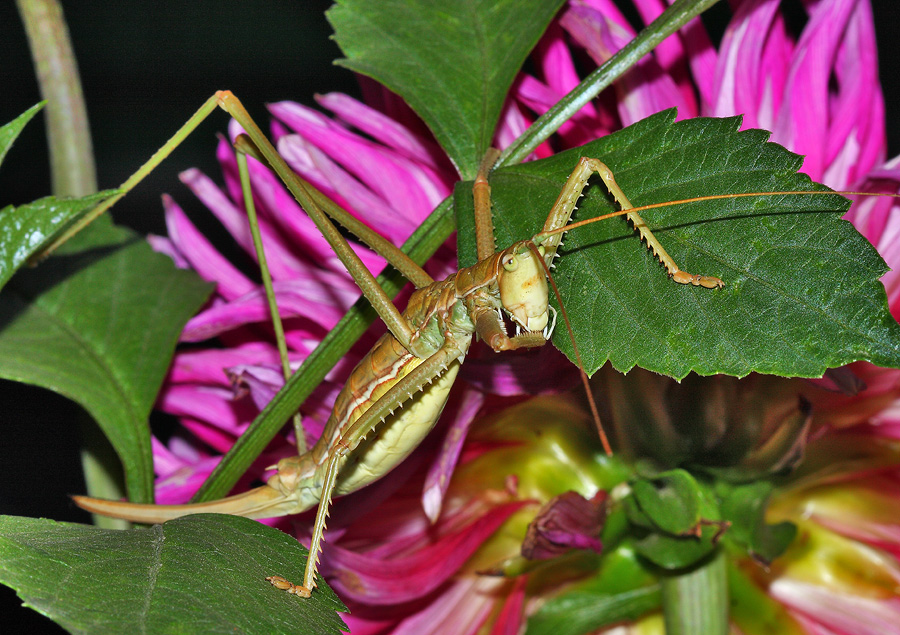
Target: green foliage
x=98 y=323
x=200 y=574
x=801 y=285
x=453 y=61
x=621 y=590
x=745 y=507
x=26 y=229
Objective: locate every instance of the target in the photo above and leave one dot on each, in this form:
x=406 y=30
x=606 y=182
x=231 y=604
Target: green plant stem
x=696 y=601
x=73 y=173
x=420 y=246
x=68 y=134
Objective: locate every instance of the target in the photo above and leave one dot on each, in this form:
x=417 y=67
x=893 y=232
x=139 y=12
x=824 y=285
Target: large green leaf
x=802 y=291
x=199 y=574
x=98 y=323
x=452 y=61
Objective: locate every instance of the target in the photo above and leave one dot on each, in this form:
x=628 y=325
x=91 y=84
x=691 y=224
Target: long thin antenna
x=584 y=378
x=539 y=238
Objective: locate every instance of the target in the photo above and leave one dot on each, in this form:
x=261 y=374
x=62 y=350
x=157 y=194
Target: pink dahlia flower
x=408 y=568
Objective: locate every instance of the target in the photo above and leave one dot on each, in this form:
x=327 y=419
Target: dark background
x=146 y=67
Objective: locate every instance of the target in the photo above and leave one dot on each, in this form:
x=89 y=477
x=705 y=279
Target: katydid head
x=523 y=287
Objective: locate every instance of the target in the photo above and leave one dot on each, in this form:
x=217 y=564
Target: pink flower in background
x=819 y=95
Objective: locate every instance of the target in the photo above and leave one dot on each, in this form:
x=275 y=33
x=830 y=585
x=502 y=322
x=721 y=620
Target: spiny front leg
x=565 y=205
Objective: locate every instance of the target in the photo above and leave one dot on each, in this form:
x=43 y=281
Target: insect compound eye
x=510 y=262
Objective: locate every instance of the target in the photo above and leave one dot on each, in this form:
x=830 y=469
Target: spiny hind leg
x=565 y=205
x=675 y=272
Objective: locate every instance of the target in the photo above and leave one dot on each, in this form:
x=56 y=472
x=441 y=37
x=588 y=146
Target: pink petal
x=461 y=609
x=839 y=611
x=201 y=255
x=282 y=263
x=752 y=65
x=322 y=304
x=412 y=188
x=378 y=581
x=208 y=366
x=388 y=131
x=214 y=406
x=163 y=245
x=343 y=188
x=438 y=479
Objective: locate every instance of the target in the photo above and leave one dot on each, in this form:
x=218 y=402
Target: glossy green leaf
x=670 y=500
x=98 y=323
x=10 y=132
x=802 y=291
x=198 y=574
x=25 y=229
x=452 y=61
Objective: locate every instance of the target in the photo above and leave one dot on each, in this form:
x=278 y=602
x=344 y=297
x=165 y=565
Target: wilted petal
x=534 y=372
x=568 y=521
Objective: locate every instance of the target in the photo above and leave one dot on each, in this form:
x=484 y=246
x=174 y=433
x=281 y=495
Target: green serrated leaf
x=670 y=500
x=802 y=291
x=98 y=323
x=10 y=132
x=169 y=578
x=452 y=61
x=745 y=507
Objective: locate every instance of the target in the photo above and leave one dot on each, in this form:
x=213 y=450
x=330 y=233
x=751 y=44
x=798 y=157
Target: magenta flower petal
x=461 y=609
x=414 y=189
x=384 y=129
x=322 y=304
x=207 y=367
x=438 y=479
x=282 y=262
x=806 y=109
x=746 y=81
x=377 y=580
x=645 y=89
x=342 y=187
x=202 y=256
x=213 y=406
x=163 y=245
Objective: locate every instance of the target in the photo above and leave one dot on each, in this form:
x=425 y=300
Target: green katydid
x=413 y=366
